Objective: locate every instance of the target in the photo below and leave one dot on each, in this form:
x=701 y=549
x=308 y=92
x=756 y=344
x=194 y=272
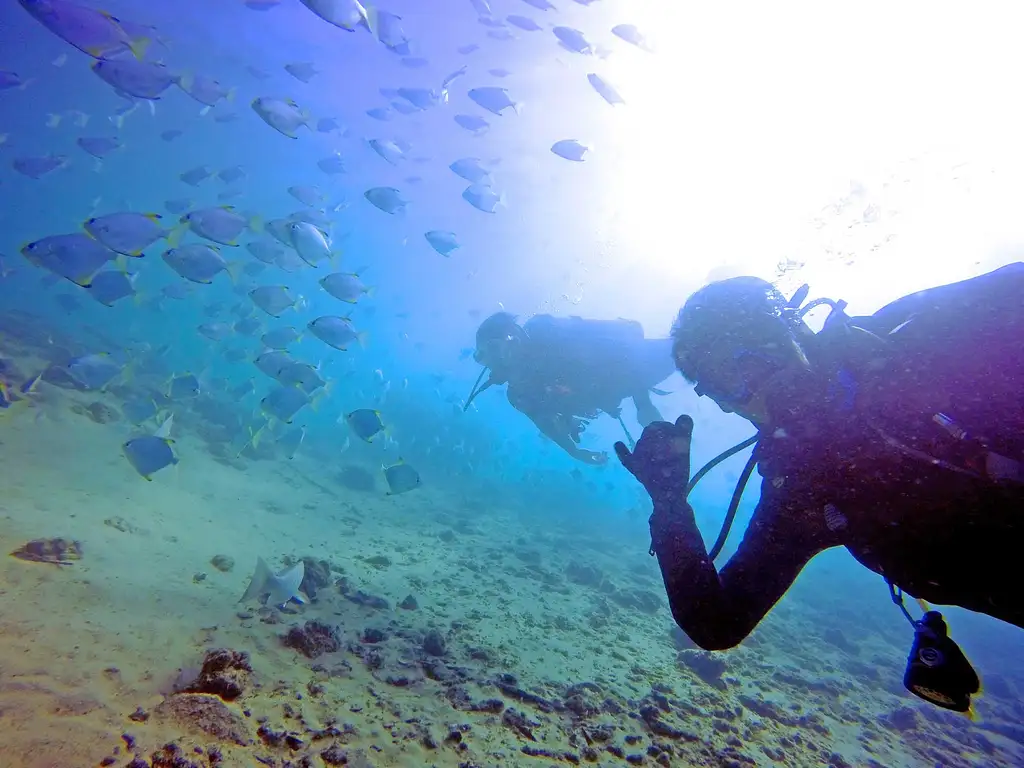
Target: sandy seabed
x=521 y=645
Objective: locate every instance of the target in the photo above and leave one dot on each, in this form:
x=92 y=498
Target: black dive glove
x=661 y=459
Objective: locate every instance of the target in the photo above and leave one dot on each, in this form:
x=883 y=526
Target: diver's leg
x=645 y=410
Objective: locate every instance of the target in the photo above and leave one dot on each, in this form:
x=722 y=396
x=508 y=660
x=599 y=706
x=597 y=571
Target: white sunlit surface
x=869 y=149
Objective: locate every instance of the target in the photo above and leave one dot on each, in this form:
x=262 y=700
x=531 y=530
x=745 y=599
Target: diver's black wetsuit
x=572 y=368
x=833 y=476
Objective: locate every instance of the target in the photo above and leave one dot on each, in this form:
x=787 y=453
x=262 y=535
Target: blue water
x=682 y=182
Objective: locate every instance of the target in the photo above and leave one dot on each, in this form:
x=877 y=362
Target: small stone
x=409 y=603
x=139 y=715
x=198 y=577
x=223 y=563
x=434 y=643
x=101 y=413
x=202 y=712
x=315 y=575
x=334 y=755
x=313 y=639
x=904 y=719
x=54 y=551
x=374 y=635
x=225 y=673
x=118 y=523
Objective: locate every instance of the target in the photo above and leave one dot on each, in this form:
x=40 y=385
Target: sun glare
x=857 y=148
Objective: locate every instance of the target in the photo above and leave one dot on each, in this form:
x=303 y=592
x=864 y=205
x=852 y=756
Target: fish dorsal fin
x=164 y=432
x=258 y=583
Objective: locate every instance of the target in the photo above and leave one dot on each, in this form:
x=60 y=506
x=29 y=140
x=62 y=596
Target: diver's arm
x=551 y=429
x=563 y=440
x=715 y=609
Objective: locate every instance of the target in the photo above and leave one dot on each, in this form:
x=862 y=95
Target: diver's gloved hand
x=661 y=458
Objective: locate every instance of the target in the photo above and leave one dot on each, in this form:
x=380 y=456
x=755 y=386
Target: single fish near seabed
x=401 y=478
x=275 y=590
x=365 y=423
x=151 y=453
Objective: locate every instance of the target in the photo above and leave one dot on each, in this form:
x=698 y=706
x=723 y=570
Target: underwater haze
x=195 y=412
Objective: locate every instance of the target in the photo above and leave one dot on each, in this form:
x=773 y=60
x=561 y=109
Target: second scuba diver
x=562 y=372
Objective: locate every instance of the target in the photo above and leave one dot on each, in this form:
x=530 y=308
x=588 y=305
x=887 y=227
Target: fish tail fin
x=234 y=270
x=256 y=224
x=372 y=19
x=28 y=387
x=139 y=46
x=364 y=17
x=370 y=290
x=261 y=575
x=517 y=106
x=230 y=95
x=205 y=111
x=361 y=337
x=175 y=234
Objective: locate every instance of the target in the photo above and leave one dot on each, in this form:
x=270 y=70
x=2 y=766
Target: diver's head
x=498 y=340
x=733 y=336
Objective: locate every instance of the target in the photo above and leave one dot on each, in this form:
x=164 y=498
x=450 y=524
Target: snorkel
x=477 y=389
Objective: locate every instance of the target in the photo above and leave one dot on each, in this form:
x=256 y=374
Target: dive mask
x=732 y=377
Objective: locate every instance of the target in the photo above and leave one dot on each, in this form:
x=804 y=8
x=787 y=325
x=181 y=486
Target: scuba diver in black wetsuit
x=899 y=436
x=562 y=372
